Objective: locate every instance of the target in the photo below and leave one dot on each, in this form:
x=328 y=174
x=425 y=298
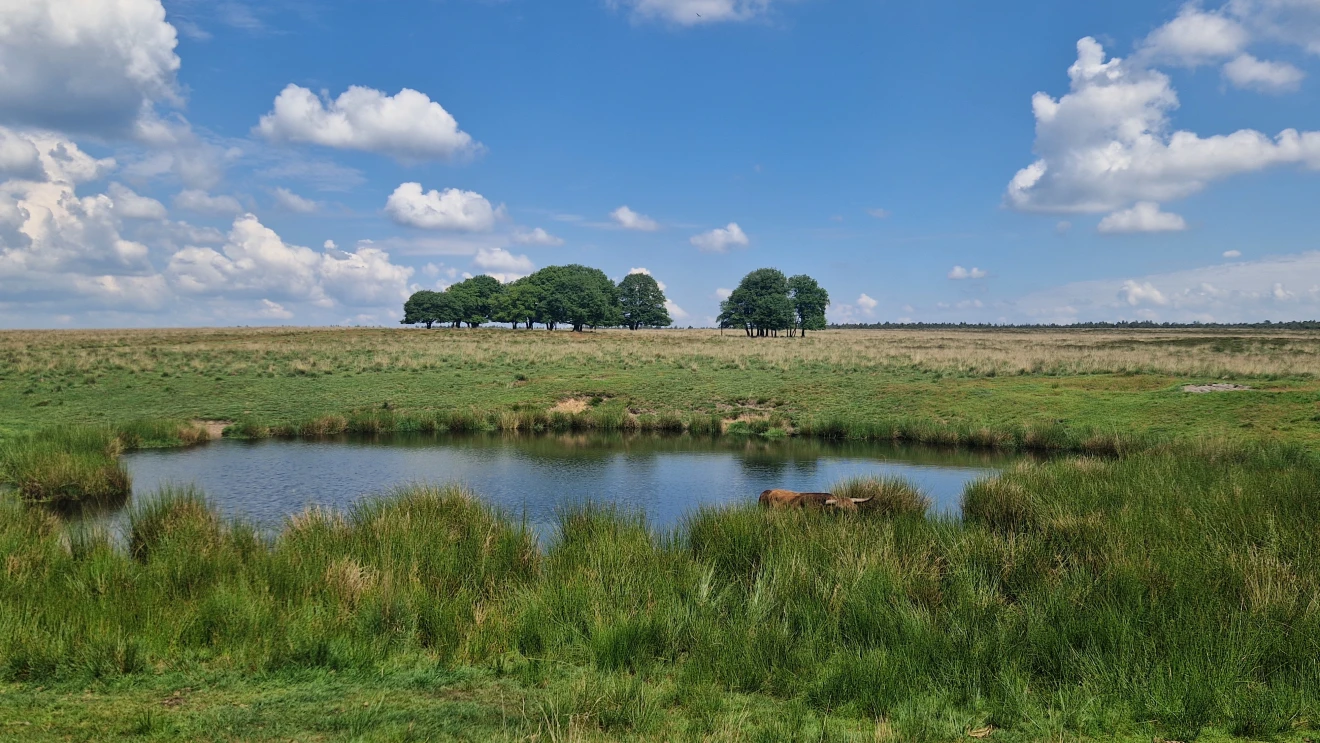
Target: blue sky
x=233 y=163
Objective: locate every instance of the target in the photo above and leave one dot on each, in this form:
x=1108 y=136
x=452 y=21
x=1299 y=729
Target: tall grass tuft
x=1001 y=504
x=178 y=518
x=67 y=467
x=890 y=497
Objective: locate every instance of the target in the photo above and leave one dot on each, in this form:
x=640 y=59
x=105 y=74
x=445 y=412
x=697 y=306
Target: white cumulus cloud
x=1232 y=253
x=1267 y=77
x=1197 y=37
x=452 y=209
x=721 y=239
x=407 y=126
x=18 y=156
x=1277 y=288
x=255 y=262
x=1140 y=293
x=291 y=201
x=273 y=310
x=62 y=253
x=503 y=262
x=43 y=156
x=860 y=311
x=130 y=205
x=692 y=12
x=958 y=273
x=537 y=236
x=631 y=220
x=1108 y=143
x=1145 y=216
x=95 y=66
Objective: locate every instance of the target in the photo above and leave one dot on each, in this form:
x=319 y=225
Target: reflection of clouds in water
x=536 y=477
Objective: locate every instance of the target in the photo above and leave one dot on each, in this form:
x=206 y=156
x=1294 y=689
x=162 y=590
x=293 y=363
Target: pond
x=536 y=476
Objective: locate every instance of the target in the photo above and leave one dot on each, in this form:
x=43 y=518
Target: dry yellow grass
x=285 y=351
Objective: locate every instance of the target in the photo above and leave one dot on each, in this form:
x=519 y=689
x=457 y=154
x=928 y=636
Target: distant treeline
x=766 y=302
x=1139 y=325
x=576 y=296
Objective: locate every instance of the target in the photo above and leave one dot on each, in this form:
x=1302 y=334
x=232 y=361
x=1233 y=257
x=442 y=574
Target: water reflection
x=533 y=476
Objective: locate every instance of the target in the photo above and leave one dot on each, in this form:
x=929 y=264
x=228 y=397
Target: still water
x=535 y=476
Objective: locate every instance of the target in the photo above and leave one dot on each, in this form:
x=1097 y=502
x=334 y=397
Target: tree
x=474 y=299
x=578 y=296
x=448 y=309
x=760 y=304
x=642 y=302
x=809 y=303
x=520 y=302
x=423 y=307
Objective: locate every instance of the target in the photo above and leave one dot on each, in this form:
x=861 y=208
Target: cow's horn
x=832 y=502
x=860 y=501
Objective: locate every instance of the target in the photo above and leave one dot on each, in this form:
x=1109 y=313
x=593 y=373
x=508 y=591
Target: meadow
x=1158 y=578
x=1127 y=382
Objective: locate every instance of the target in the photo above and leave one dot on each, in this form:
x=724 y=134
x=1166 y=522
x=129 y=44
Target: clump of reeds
x=62 y=478
x=66 y=467
x=178 y=517
x=889 y=497
x=1002 y=504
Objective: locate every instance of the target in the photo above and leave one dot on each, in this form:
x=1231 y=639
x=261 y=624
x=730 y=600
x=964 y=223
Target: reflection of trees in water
x=769 y=456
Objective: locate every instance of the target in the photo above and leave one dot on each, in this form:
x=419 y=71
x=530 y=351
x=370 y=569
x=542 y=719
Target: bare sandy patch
x=1201 y=389
x=214 y=429
x=572 y=406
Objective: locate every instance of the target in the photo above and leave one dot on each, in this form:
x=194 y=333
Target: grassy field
x=1169 y=593
x=1127 y=382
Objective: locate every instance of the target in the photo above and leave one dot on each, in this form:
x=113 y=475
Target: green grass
x=982 y=384
x=1157 y=588
x=1173 y=593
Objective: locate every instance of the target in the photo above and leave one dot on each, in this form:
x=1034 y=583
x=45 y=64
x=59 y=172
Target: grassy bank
x=1125 y=383
x=1172 y=593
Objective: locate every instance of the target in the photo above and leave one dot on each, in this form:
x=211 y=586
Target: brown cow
x=790 y=499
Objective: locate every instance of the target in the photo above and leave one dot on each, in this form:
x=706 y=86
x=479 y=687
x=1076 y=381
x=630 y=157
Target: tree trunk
x=428 y=324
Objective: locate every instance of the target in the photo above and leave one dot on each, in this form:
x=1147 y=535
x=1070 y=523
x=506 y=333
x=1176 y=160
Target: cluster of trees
x=574 y=296
x=767 y=303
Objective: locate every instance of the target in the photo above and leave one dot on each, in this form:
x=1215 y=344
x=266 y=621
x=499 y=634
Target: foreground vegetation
x=1172 y=593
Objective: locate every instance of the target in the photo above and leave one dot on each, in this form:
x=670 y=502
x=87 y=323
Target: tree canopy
x=642 y=302
x=767 y=302
x=423 y=307
x=520 y=302
x=573 y=295
x=474 y=299
x=578 y=296
x=809 y=302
